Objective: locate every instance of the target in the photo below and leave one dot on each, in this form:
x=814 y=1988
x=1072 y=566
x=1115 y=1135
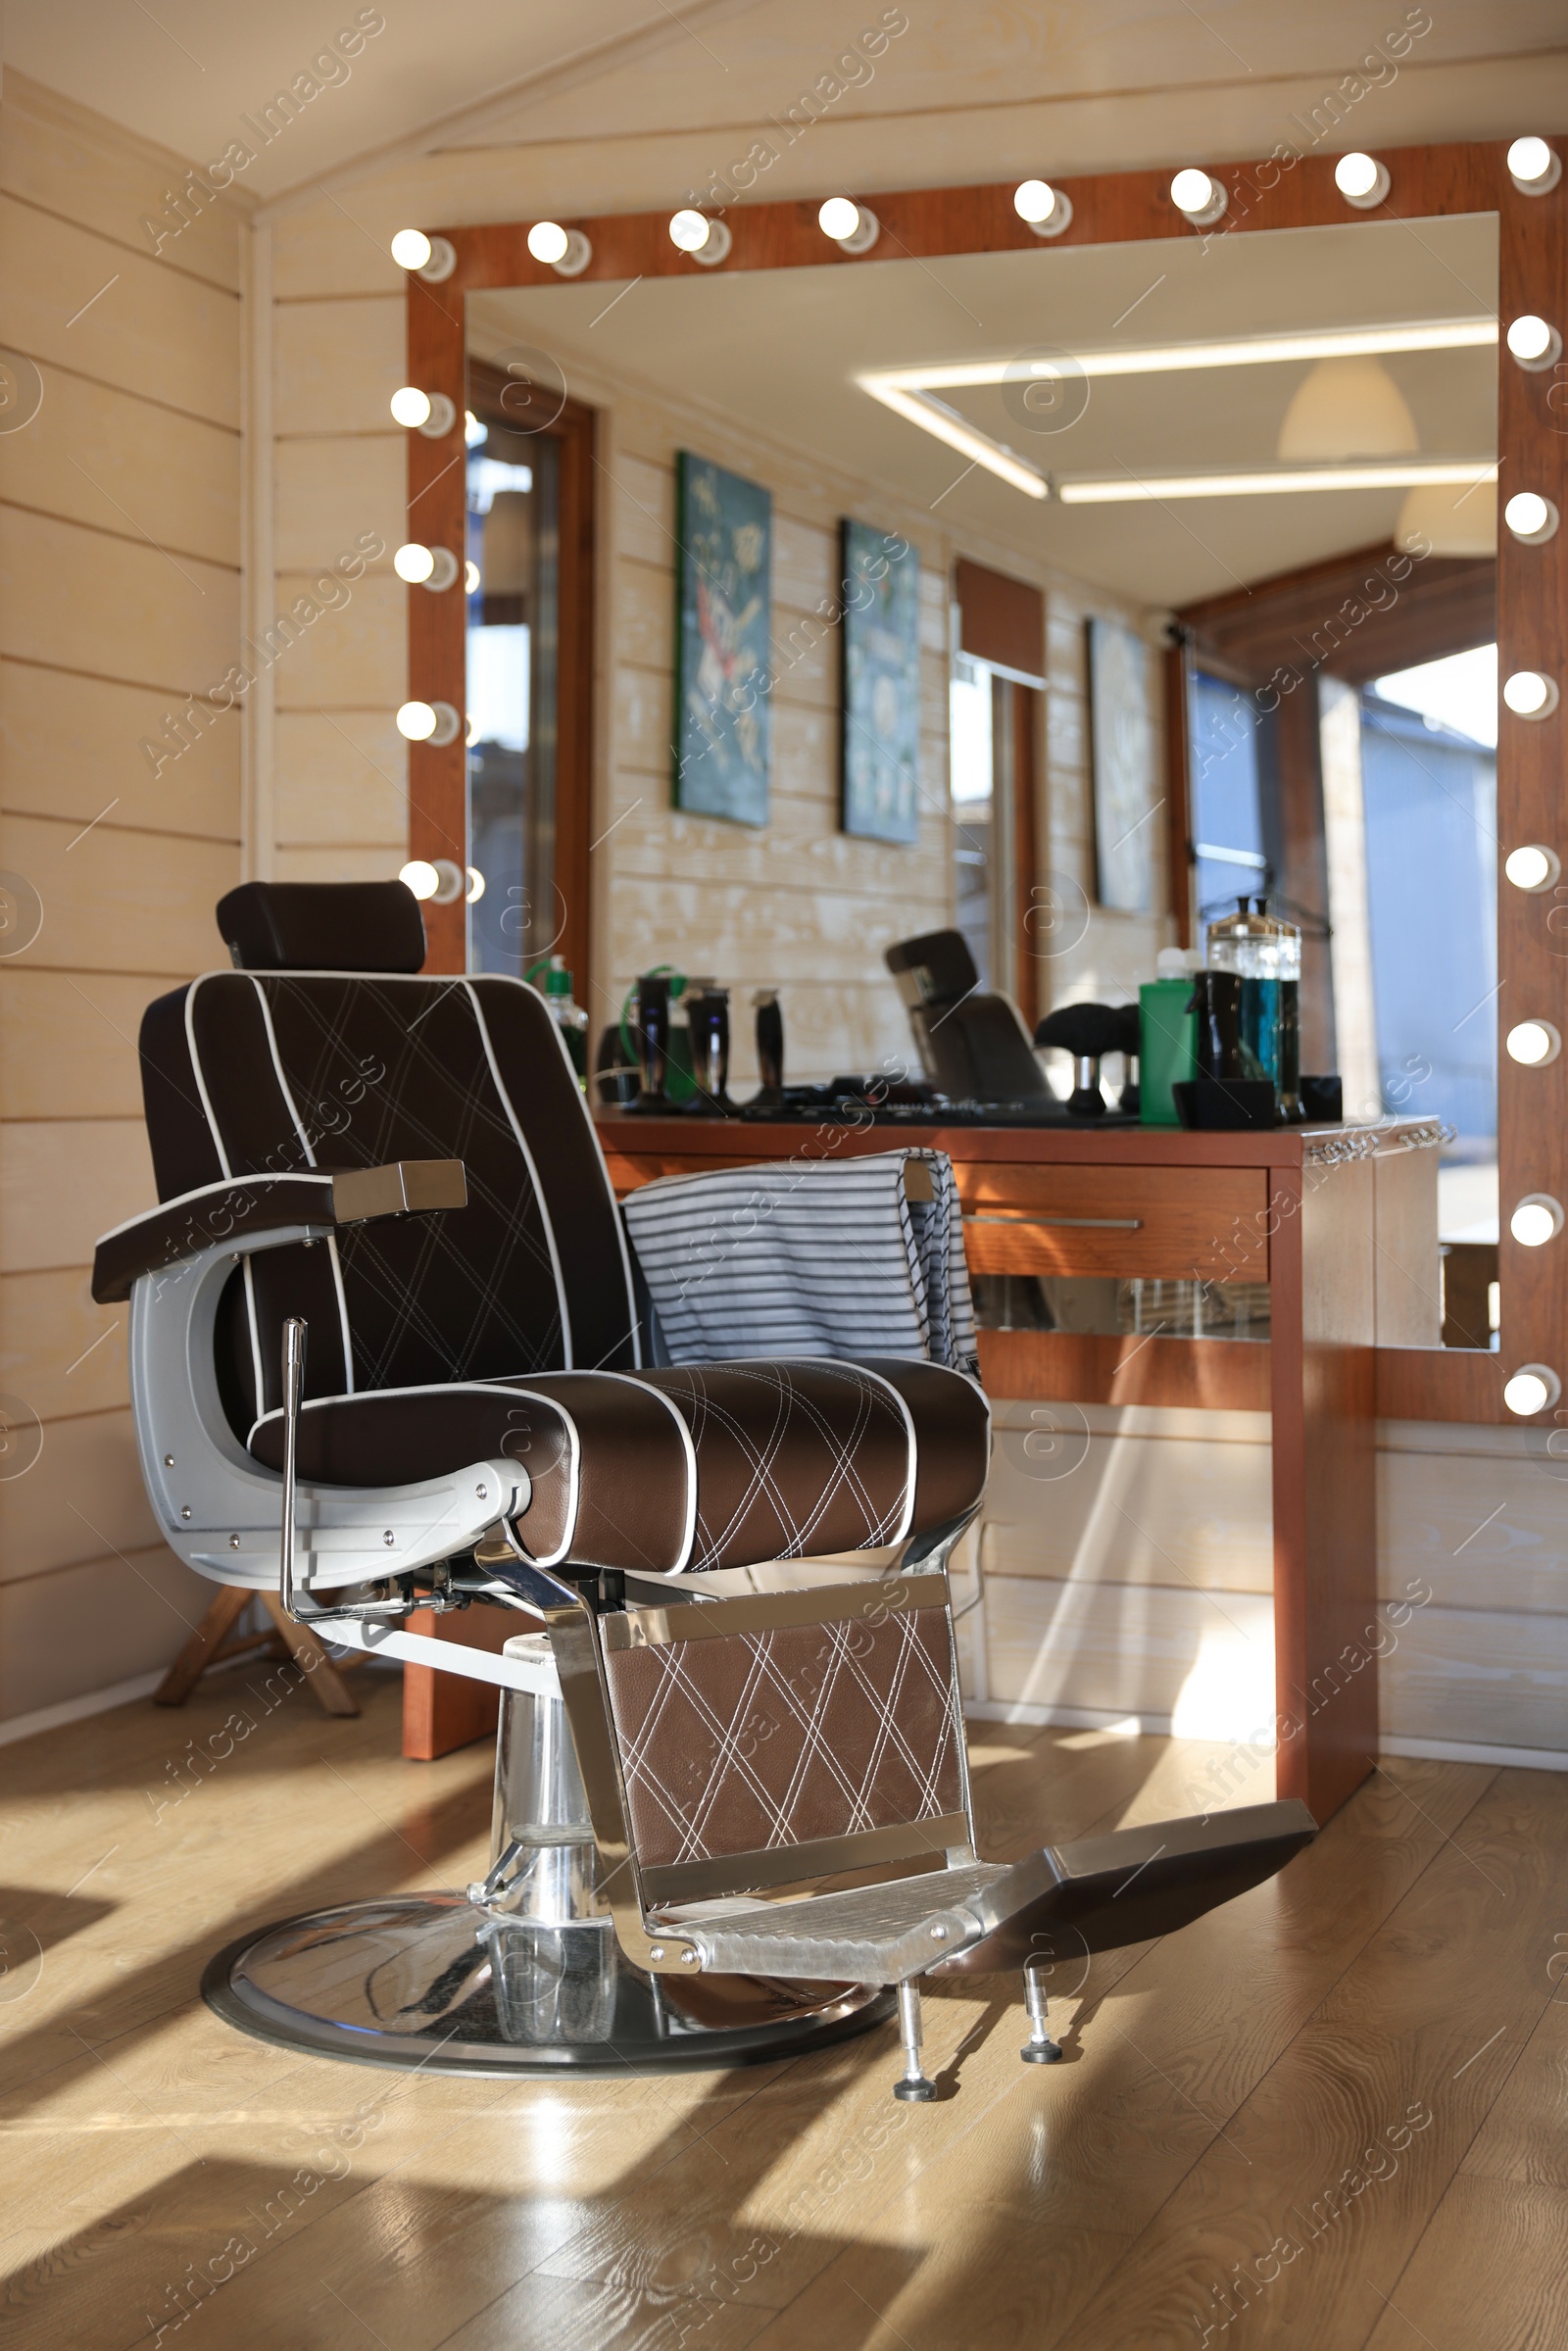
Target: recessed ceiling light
x=1124 y=489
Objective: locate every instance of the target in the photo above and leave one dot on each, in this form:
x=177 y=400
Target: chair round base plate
x=435 y=1982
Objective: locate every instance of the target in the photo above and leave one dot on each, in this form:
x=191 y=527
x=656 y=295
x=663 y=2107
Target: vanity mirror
x=1287 y=450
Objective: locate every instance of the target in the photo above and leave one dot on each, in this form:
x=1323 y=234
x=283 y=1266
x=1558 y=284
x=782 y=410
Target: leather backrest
x=249 y=1073
x=323 y=926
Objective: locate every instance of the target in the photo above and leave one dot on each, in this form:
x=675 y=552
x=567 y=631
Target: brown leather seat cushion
x=696 y=1466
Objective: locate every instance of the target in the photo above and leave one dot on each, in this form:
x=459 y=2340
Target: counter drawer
x=1157 y=1223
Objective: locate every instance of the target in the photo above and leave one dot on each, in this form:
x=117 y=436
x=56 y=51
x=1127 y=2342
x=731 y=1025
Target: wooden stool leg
x=228 y=1606
x=330 y=1688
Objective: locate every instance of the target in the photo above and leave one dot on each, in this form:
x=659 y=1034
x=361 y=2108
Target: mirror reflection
x=1198 y=544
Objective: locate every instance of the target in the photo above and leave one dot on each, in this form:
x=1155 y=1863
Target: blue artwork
x=723 y=621
x=881 y=756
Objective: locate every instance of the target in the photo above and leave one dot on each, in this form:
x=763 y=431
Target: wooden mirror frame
x=1118 y=208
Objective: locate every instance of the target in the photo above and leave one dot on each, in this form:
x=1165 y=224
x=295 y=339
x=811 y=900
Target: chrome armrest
x=240 y=1210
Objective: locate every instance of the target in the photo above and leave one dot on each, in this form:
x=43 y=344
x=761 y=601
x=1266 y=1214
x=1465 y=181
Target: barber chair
x=386 y=1354
x=970 y=1041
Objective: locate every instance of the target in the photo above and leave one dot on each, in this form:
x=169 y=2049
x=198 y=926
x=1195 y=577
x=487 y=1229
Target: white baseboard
x=1458 y=1751
x=1030 y=1717
x=76 y=1710
x=1157 y=1726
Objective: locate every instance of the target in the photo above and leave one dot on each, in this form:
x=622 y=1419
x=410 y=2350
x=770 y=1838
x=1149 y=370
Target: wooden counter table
x=1339 y=1222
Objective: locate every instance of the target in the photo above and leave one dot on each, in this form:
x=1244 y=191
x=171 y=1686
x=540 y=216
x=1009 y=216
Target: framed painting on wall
x=1122 y=739
x=880 y=757
x=723 y=621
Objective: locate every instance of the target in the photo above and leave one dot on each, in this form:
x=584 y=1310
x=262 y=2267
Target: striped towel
x=844 y=1259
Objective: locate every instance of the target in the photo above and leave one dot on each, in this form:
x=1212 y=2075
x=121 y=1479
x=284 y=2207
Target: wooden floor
x=1330 y=2116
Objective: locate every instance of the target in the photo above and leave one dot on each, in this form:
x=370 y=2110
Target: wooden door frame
x=574 y=428
x=1285 y=192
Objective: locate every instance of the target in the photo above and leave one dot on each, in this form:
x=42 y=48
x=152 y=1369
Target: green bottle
x=1167 y=1036
x=568 y=1016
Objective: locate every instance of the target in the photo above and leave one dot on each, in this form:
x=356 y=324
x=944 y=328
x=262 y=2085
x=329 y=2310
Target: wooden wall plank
x=74 y=598
x=74 y=745
x=149 y=329
x=92 y=1496
x=98 y=454
x=64 y=1181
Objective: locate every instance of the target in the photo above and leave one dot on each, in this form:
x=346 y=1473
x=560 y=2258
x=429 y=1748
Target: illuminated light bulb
x=1533 y=343
x=474 y=432
x=1362 y=181
x=422 y=877
x=470 y=731
x=475 y=885
x=1042 y=208
x=852 y=227
x=1202 y=199
x=1533 y=1389
x=430 y=258
x=693 y=232
x=1529 y=695
x=410 y=406
x=567 y=251
x=470 y=580
x=434 y=722
x=1530 y=517
x=1534 y=168
x=547 y=241
x=1533 y=1044
x=1533 y=867
x=1537 y=1220
x=435 y=567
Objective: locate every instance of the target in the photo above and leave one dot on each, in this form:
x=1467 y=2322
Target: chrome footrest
x=874 y=1934
x=1094 y=1895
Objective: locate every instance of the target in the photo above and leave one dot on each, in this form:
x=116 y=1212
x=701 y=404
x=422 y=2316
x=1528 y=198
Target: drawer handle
x=1100 y=1224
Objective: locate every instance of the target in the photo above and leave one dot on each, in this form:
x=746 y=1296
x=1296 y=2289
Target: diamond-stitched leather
x=748 y=1742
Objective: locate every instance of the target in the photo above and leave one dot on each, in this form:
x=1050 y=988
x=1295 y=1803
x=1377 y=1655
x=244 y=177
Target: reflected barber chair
x=385 y=1353
x=972 y=1042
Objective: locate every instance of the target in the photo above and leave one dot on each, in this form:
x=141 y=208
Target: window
x=1230 y=767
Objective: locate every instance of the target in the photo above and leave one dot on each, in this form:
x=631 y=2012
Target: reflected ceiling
x=776 y=354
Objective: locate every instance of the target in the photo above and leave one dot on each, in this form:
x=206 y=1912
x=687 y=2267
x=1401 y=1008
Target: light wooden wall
x=1127 y=1572
x=119 y=598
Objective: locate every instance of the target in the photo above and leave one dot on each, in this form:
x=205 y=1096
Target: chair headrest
x=323 y=926
x=937 y=968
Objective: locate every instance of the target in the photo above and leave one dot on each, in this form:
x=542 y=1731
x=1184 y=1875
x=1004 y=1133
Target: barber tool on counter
x=770 y=1045
x=1087 y=1032
x=648 y=1011
x=707 y=1025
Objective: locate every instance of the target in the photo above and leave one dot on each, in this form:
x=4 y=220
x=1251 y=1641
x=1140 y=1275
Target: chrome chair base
x=435 y=1982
